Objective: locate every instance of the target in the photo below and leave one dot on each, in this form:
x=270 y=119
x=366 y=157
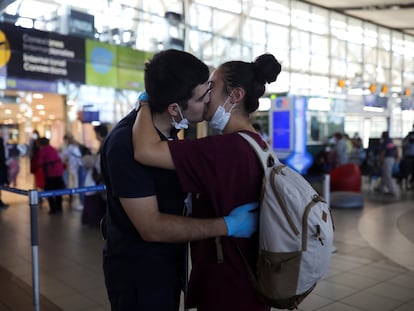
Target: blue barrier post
x=34 y=196
x=34 y=204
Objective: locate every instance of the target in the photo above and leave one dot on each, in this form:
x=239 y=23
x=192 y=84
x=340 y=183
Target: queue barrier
x=34 y=196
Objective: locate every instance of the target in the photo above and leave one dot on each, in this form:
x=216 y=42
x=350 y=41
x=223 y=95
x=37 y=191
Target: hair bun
x=267 y=68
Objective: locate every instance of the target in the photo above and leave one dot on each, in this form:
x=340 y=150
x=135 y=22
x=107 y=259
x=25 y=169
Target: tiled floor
x=373 y=268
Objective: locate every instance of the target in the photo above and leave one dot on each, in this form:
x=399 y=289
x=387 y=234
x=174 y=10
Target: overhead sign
x=28 y=56
x=81 y=24
x=40 y=55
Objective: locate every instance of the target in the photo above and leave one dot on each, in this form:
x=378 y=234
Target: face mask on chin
x=221 y=117
x=182 y=124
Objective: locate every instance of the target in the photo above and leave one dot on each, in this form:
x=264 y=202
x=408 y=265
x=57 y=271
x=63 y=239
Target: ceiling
x=398 y=14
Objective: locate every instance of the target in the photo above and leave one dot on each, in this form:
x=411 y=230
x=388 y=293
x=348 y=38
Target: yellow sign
x=4 y=49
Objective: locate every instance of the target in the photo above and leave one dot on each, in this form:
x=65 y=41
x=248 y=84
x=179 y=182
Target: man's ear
x=173 y=109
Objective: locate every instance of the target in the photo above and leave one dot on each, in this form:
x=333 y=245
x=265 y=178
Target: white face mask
x=221 y=116
x=182 y=124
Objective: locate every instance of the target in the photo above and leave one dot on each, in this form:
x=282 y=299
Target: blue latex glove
x=242 y=221
x=143 y=97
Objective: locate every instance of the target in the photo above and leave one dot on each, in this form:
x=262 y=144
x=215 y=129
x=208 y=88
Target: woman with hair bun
x=220 y=171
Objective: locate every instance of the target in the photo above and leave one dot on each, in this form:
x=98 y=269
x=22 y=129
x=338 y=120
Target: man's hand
x=242 y=221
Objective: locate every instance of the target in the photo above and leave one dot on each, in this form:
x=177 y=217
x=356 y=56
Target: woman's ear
x=173 y=109
x=238 y=94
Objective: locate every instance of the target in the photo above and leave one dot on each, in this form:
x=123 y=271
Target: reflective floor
x=372 y=269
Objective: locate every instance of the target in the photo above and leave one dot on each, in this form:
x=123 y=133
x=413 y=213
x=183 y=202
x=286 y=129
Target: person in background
x=94 y=205
x=339 y=152
x=221 y=171
x=387 y=157
x=145 y=227
x=35 y=169
x=13 y=166
x=357 y=154
x=53 y=166
x=408 y=155
x=4 y=181
x=72 y=157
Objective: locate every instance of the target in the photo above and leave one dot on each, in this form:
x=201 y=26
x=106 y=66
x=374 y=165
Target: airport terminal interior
x=347 y=67
x=372 y=268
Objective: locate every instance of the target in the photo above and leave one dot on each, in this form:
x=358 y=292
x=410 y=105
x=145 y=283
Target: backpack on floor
x=295 y=234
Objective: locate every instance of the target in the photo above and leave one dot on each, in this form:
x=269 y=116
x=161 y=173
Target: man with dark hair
x=144 y=253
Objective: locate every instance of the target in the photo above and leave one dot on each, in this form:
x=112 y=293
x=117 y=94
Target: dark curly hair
x=170 y=76
x=252 y=77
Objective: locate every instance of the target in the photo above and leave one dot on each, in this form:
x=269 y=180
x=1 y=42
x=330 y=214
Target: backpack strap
x=267 y=157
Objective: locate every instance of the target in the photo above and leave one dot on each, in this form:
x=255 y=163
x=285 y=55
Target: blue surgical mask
x=221 y=117
x=182 y=124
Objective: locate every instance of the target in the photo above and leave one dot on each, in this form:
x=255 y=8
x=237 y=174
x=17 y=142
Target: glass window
x=396 y=78
x=228 y=5
x=369 y=72
x=282 y=55
x=384 y=39
x=319 y=45
x=353 y=125
x=300 y=61
x=382 y=75
x=299 y=83
x=300 y=15
x=300 y=41
x=200 y=16
x=408 y=78
x=338 y=26
x=151 y=33
x=370 y=35
x=319 y=21
x=355 y=31
x=370 y=55
x=319 y=64
x=222 y=47
x=278 y=36
x=275 y=12
x=354 y=69
x=319 y=84
x=225 y=24
x=384 y=58
x=396 y=127
x=377 y=126
x=338 y=48
x=354 y=52
x=397 y=61
x=254 y=31
x=281 y=85
x=201 y=44
x=338 y=67
x=407 y=121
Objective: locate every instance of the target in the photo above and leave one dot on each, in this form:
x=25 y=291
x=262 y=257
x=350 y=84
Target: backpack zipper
x=315 y=199
x=279 y=170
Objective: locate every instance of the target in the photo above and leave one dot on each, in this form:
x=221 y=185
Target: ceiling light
x=38 y=96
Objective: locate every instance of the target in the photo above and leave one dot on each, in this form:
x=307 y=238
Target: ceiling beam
x=395 y=6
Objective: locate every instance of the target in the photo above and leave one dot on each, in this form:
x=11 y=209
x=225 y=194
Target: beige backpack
x=295 y=234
